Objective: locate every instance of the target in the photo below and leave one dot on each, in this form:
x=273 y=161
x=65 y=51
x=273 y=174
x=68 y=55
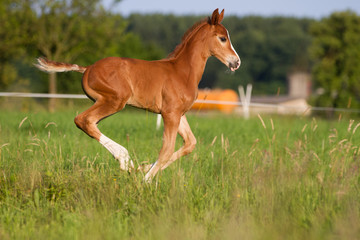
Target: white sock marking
x=148 y=176
x=119 y=152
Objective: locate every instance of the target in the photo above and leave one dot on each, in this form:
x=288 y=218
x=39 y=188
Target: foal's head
x=219 y=42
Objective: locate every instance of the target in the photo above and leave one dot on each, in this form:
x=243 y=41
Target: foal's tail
x=51 y=66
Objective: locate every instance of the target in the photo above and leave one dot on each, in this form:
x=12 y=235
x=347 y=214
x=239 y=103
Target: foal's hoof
x=147 y=179
x=127 y=165
x=144 y=168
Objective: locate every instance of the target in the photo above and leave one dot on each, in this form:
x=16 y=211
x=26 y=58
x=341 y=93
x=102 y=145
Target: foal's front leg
x=171 y=124
x=189 y=142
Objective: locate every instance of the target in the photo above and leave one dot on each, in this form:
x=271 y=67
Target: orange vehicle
x=226 y=95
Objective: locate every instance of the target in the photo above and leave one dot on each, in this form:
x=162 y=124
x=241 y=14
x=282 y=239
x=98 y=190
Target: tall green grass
x=263 y=178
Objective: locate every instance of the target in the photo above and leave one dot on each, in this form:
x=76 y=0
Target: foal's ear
x=221 y=16
x=216 y=18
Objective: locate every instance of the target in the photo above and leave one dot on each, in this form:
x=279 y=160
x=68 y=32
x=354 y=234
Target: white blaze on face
x=228 y=35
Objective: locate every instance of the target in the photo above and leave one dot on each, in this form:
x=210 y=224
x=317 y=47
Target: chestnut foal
x=168 y=86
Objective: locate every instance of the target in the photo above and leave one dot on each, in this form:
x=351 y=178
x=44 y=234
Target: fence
x=265 y=105
x=244 y=103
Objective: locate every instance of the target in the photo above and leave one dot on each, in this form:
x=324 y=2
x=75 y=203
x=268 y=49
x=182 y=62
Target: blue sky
x=297 y=8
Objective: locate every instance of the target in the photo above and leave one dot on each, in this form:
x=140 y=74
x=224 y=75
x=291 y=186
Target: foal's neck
x=193 y=58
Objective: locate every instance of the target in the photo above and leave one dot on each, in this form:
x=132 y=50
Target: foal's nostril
x=236 y=64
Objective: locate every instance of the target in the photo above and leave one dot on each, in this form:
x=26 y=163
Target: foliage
x=70 y=31
x=336 y=52
x=270 y=47
x=16 y=34
x=163 y=30
x=263 y=178
x=83 y=32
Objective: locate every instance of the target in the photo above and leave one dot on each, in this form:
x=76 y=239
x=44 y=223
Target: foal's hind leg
x=87 y=121
x=189 y=142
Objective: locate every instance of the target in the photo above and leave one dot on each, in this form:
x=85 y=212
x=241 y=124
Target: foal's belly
x=150 y=104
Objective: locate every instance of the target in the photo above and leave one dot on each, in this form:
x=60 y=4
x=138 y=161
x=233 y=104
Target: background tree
x=16 y=21
x=83 y=32
x=336 y=52
x=270 y=49
x=62 y=31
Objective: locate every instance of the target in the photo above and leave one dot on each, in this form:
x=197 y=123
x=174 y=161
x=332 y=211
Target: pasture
x=264 y=178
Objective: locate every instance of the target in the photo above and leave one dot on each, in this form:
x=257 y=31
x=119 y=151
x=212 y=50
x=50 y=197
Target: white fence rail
x=263 y=105
x=42 y=95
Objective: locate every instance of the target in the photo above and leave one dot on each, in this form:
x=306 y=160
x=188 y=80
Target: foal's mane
x=188 y=34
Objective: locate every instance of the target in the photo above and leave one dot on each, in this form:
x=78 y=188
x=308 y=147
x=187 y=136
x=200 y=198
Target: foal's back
x=138 y=82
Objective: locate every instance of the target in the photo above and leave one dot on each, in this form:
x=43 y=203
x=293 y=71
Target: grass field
x=263 y=178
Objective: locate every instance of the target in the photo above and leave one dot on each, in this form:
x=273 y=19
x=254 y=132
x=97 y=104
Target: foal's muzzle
x=235 y=64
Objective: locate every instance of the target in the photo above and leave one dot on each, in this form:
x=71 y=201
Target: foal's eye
x=223 y=39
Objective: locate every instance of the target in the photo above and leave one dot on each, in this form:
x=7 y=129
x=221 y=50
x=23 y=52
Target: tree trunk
x=52 y=90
